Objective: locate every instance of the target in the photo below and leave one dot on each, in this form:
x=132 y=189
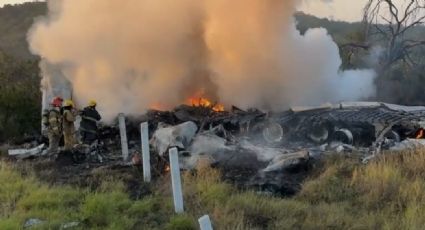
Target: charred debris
x=270 y=152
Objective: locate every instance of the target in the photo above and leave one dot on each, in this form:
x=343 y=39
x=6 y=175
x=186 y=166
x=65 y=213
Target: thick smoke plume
x=134 y=54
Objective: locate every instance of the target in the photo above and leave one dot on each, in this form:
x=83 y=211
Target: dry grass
x=343 y=194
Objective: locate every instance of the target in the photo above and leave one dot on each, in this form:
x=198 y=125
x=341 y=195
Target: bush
x=20 y=98
x=25 y=198
x=103 y=209
x=10 y=224
x=181 y=222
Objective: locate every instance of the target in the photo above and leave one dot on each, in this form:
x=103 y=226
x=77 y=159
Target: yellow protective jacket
x=68 y=122
x=52 y=119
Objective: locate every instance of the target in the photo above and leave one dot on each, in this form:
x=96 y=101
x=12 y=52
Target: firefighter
x=68 y=124
x=88 y=125
x=52 y=120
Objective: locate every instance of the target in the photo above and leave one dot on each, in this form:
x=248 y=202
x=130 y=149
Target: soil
x=244 y=173
x=63 y=170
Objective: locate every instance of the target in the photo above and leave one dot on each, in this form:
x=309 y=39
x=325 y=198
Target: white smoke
x=130 y=55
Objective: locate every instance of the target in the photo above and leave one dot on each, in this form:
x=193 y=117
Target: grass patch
x=181 y=222
x=343 y=194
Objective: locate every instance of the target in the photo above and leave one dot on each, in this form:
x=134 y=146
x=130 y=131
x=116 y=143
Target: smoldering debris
x=178 y=136
x=26 y=153
x=265 y=151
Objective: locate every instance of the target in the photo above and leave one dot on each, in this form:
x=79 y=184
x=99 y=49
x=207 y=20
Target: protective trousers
x=54 y=140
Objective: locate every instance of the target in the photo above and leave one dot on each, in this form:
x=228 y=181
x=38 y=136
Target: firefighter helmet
x=68 y=103
x=57 y=102
x=92 y=103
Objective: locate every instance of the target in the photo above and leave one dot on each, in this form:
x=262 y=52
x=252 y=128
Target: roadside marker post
x=176 y=180
x=205 y=223
x=123 y=135
x=144 y=133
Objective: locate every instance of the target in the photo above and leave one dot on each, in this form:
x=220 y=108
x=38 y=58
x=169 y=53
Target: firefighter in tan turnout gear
x=52 y=120
x=68 y=124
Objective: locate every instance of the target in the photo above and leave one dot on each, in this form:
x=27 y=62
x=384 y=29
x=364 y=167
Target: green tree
x=19 y=98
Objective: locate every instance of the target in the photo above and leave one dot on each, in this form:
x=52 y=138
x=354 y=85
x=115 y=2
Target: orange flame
x=204 y=102
x=192 y=101
x=420 y=134
x=157 y=106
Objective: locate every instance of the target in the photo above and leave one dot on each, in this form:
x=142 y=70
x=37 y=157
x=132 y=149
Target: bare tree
x=392 y=22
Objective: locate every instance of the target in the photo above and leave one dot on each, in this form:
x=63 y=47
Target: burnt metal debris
x=359 y=124
x=271 y=152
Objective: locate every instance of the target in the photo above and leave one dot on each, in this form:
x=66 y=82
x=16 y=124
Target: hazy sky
x=4 y=2
x=348 y=10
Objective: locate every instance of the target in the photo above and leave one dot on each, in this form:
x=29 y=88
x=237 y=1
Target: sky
x=345 y=10
x=3 y=2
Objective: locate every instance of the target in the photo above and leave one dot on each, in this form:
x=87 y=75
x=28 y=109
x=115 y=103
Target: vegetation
x=20 y=106
x=343 y=194
x=393 y=34
x=20 y=97
x=15 y=21
x=400 y=20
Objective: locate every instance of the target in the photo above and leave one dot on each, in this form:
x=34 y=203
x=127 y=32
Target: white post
x=176 y=180
x=123 y=134
x=205 y=223
x=144 y=135
x=44 y=105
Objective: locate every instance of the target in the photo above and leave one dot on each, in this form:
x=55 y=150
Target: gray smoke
x=134 y=54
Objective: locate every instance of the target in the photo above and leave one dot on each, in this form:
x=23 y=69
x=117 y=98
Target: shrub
x=181 y=222
x=102 y=209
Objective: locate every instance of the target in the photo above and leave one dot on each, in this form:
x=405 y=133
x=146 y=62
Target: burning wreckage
x=266 y=151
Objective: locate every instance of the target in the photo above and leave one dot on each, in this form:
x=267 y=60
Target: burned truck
x=273 y=151
x=362 y=124
x=359 y=124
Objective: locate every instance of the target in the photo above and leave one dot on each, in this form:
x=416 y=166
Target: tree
x=391 y=23
x=393 y=44
x=20 y=98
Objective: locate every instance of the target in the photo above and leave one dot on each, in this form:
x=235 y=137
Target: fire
x=204 y=102
x=158 y=106
x=196 y=101
x=420 y=134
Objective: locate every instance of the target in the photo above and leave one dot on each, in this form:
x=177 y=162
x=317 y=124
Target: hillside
x=341 y=31
x=15 y=20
